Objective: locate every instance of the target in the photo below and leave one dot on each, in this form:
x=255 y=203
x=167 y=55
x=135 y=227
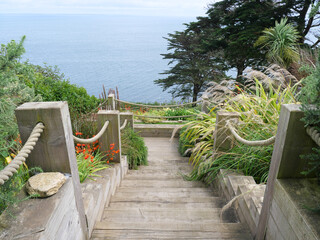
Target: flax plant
x=259 y=114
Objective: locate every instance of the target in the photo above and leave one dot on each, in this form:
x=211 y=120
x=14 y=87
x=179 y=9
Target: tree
x=232 y=26
x=304 y=14
x=281 y=43
x=192 y=69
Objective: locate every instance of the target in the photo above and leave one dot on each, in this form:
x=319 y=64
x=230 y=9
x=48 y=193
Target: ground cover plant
x=134 y=147
x=165 y=112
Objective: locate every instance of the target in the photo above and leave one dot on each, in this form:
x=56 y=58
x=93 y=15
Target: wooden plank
x=298 y=223
x=291 y=141
x=169 y=183
x=162 y=194
x=281 y=222
x=55 y=149
x=216 y=203
x=112 y=134
x=185 y=235
x=171 y=226
x=206 y=215
x=273 y=232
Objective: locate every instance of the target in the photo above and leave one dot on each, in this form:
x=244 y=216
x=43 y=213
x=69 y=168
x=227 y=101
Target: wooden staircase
x=155 y=202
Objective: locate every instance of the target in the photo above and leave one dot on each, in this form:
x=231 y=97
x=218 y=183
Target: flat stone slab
x=45 y=184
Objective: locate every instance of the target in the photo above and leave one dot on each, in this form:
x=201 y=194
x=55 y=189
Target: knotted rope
x=21 y=157
x=93 y=139
x=266 y=142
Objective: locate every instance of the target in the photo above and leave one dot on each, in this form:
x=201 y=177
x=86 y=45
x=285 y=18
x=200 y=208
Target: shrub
x=311 y=106
x=134 y=147
x=259 y=115
x=10 y=189
x=89 y=164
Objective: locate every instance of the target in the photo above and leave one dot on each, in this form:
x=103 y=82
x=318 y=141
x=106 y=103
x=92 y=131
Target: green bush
x=10 y=189
x=259 y=115
x=51 y=85
x=134 y=147
x=310 y=98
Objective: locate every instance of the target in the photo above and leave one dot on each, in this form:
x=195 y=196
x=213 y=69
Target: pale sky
x=123 y=7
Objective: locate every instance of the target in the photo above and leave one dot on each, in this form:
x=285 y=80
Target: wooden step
x=185 y=235
x=150 y=195
x=215 y=203
x=171 y=226
x=142 y=190
x=205 y=215
x=155 y=202
x=171 y=183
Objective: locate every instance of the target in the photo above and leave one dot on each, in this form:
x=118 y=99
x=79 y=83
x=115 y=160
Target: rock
x=45 y=184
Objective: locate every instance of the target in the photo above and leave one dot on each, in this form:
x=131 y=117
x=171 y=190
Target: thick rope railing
x=314 y=134
x=23 y=154
x=124 y=124
x=93 y=139
x=156 y=106
x=165 y=117
x=266 y=142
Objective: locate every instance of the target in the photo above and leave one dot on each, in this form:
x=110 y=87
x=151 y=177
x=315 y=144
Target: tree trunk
x=196 y=90
x=240 y=69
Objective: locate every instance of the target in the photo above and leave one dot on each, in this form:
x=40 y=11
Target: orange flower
x=86 y=157
x=108 y=161
x=78 y=144
x=118 y=151
x=112 y=146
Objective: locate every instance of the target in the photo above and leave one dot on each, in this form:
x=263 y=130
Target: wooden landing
x=155 y=202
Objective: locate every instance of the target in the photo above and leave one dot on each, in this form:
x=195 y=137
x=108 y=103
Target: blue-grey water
x=92 y=50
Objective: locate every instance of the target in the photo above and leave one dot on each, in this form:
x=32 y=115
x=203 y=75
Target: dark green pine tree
x=233 y=26
x=192 y=69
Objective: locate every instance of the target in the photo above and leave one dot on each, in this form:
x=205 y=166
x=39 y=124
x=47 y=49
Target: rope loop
x=21 y=157
x=266 y=142
x=93 y=139
x=165 y=117
x=314 y=134
x=124 y=124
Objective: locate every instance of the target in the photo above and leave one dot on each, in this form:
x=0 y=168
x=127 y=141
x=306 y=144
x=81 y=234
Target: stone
x=45 y=184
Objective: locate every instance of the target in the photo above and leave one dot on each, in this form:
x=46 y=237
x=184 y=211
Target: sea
x=96 y=50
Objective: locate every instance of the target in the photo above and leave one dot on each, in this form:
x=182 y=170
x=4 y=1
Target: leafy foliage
x=88 y=167
x=281 y=43
x=193 y=68
x=134 y=147
x=259 y=114
x=310 y=98
x=13 y=92
x=52 y=86
x=10 y=189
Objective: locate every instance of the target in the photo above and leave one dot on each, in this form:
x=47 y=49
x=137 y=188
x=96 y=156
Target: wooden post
x=129 y=117
x=111 y=102
x=112 y=134
x=54 y=151
x=205 y=104
x=222 y=136
x=291 y=142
